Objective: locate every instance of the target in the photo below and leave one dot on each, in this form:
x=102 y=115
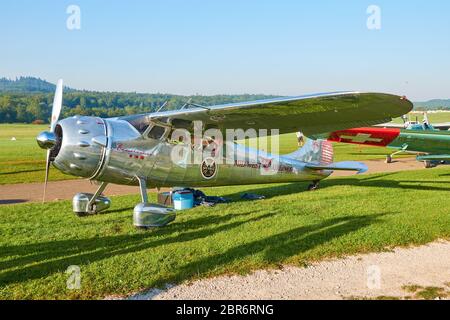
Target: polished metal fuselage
x=112 y=150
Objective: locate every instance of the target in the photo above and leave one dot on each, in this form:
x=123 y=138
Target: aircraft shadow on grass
x=279 y=247
x=12 y=201
x=34 y=261
x=78 y=252
x=393 y=184
x=378 y=181
x=444 y=175
x=21 y=171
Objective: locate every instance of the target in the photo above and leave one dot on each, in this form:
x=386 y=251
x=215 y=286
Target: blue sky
x=233 y=46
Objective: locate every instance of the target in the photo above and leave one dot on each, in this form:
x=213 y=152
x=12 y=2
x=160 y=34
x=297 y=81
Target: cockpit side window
x=156 y=132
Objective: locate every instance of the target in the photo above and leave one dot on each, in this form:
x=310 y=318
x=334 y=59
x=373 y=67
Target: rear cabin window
x=156 y=132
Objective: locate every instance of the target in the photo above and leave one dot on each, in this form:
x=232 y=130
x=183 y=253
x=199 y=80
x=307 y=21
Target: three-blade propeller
x=46 y=140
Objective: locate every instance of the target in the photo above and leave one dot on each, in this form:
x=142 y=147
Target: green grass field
x=22 y=161
x=347 y=215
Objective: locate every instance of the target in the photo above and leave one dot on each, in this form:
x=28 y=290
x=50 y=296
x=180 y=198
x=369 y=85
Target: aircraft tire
x=428 y=164
x=81 y=214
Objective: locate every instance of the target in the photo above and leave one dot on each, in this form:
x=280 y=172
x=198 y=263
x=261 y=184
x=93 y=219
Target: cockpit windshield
x=140 y=122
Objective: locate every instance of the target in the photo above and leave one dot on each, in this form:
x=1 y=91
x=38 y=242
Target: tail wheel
x=313 y=186
x=389 y=159
x=429 y=164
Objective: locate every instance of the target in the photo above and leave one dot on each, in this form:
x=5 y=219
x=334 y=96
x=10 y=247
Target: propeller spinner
x=47 y=139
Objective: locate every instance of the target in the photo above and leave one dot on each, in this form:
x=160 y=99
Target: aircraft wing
x=391 y=125
x=442 y=126
x=311 y=114
x=439 y=126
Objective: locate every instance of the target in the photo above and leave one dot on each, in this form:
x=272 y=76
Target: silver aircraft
x=138 y=149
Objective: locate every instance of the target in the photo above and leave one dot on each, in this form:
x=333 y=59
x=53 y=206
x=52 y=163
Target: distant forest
x=27 y=85
x=28 y=99
x=436 y=104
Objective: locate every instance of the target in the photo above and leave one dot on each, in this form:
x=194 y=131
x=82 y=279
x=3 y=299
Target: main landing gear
x=87 y=203
x=389 y=158
x=145 y=214
x=314 y=185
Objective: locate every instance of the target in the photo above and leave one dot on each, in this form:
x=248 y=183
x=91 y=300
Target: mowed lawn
x=345 y=216
x=22 y=161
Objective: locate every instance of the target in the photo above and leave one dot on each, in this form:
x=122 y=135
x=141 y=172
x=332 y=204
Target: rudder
x=314 y=151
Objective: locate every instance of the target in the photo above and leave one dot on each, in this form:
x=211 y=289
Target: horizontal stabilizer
x=340 y=166
x=434 y=157
x=442 y=126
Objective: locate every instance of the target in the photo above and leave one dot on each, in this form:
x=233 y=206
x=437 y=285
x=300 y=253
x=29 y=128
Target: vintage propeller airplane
x=138 y=149
x=432 y=146
x=416 y=125
x=412 y=125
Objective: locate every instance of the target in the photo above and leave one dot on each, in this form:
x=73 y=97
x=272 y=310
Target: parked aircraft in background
x=413 y=125
x=432 y=146
x=416 y=124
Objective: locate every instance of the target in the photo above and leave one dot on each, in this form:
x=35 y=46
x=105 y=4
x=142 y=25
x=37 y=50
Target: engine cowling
x=80 y=146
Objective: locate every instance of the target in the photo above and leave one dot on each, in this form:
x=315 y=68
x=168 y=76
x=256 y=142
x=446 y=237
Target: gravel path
x=362 y=276
x=65 y=190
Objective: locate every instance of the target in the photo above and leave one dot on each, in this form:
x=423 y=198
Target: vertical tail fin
x=314 y=151
x=318 y=155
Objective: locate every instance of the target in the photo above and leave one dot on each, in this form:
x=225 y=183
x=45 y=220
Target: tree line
x=26 y=85
x=431 y=108
x=32 y=107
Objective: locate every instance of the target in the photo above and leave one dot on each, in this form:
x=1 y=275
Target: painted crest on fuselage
x=208 y=168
